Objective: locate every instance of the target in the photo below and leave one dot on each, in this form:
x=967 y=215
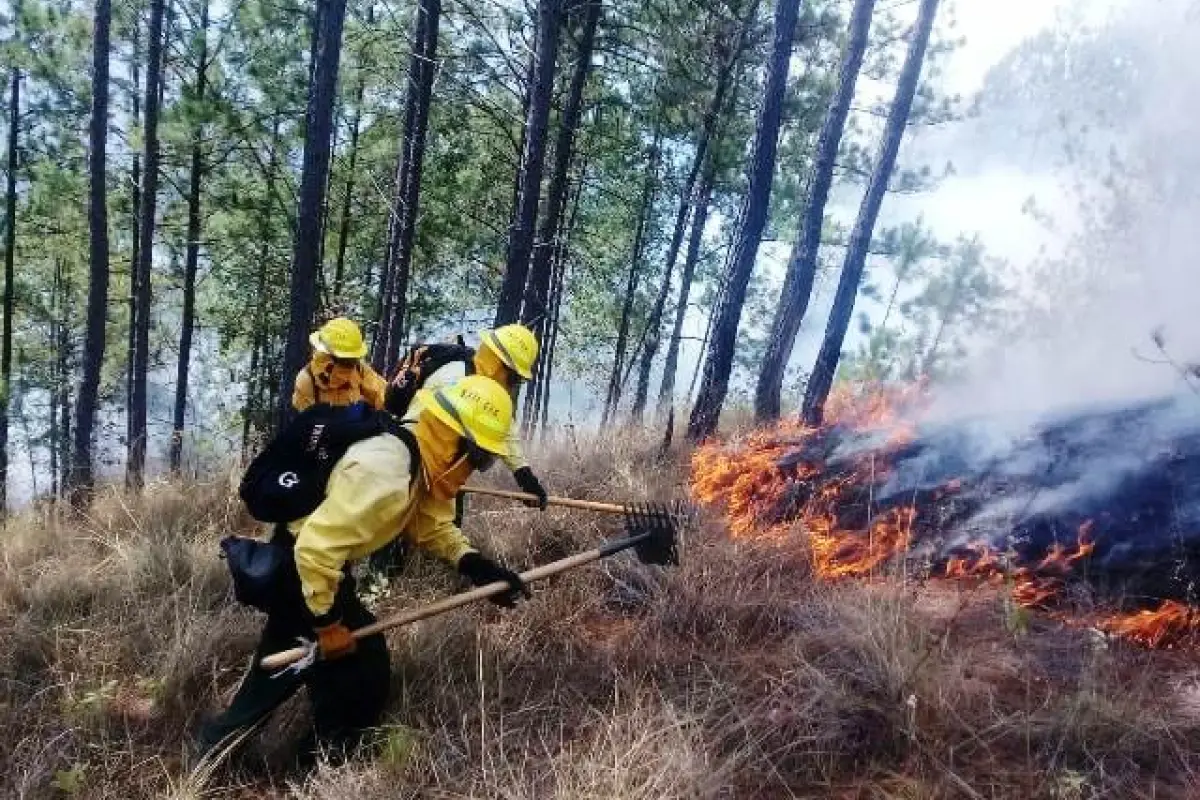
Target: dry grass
x=734 y=675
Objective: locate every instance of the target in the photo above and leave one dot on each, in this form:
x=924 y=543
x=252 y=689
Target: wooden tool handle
x=567 y=502
x=285 y=657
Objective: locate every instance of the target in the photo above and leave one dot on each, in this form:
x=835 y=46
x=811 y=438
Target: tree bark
x=57 y=372
x=339 y=269
x=613 y=398
x=537 y=397
x=135 y=207
x=422 y=68
x=314 y=171
x=535 y=310
x=256 y=412
x=192 y=257
x=82 y=473
x=802 y=265
x=529 y=176
x=666 y=391
x=60 y=443
x=10 y=245
x=708 y=126
x=715 y=385
x=558 y=293
x=821 y=380
x=136 y=467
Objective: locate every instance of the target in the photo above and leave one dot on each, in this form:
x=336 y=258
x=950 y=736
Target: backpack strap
x=414 y=448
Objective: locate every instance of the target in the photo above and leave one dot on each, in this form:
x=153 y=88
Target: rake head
x=658 y=525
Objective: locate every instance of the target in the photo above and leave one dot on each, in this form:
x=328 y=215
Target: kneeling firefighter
x=400 y=481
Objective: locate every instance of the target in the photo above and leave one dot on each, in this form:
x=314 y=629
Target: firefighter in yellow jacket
x=507 y=355
x=383 y=487
x=336 y=374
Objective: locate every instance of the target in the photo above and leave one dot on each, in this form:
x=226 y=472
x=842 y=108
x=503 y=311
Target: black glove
x=531 y=485
x=481 y=571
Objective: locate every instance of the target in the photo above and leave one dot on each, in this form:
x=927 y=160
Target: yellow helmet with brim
x=475 y=407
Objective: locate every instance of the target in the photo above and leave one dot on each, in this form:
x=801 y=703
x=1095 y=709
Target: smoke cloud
x=1123 y=259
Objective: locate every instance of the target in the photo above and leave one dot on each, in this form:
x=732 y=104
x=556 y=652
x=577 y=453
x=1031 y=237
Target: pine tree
x=136 y=466
x=821 y=379
x=707 y=409
x=313 y=179
x=83 y=471
x=802 y=265
x=529 y=192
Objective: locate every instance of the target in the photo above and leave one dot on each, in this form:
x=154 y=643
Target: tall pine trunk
x=535 y=309
x=422 y=68
x=256 y=413
x=821 y=380
x=802 y=266
x=60 y=396
x=10 y=245
x=537 y=392
x=339 y=269
x=649 y=184
x=136 y=466
x=135 y=207
x=715 y=385
x=192 y=256
x=82 y=472
x=712 y=112
x=57 y=376
x=529 y=174
x=314 y=171
x=666 y=391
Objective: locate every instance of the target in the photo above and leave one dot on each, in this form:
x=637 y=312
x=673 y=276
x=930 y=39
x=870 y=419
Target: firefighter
x=336 y=374
x=394 y=483
x=506 y=355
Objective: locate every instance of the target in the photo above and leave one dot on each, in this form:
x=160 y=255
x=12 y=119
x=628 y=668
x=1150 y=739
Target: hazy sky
x=991 y=29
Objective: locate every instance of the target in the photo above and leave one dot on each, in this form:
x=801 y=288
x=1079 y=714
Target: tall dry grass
x=734 y=675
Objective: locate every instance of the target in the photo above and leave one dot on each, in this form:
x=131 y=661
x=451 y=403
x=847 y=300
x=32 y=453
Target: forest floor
x=735 y=675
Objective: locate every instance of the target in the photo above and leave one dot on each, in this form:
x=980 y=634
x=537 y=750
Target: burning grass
x=736 y=675
x=851 y=490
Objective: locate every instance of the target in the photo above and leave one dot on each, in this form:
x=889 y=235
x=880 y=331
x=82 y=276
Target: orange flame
x=1168 y=626
x=751 y=480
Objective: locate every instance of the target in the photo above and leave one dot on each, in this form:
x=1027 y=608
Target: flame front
x=774 y=484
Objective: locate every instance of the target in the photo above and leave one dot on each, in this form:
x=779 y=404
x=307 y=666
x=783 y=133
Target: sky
x=991 y=29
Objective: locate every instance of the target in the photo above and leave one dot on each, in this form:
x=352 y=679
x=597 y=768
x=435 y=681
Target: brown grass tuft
x=734 y=675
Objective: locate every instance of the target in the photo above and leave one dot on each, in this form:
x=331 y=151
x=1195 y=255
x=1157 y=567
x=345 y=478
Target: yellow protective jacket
x=323 y=380
x=369 y=500
x=444 y=376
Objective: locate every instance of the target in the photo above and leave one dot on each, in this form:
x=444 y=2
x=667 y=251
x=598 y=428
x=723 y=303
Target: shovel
x=653 y=536
x=566 y=502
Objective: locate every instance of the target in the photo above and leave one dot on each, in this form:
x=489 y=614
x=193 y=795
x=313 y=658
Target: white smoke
x=1126 y=262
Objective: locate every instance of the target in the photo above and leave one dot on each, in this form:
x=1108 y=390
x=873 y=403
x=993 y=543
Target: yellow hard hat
x=340 y=338
x=475 y=407
x=515 y=346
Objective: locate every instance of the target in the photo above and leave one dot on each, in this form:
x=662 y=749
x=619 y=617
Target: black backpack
x=286 y=481
x=419 y=363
